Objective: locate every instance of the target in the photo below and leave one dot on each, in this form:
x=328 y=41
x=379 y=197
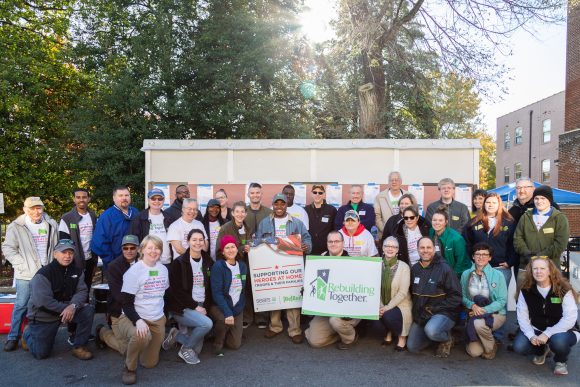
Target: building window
x=507 y=142
x=519 y=135
x=546 y=171
x=517 y=170
x=546 y=130
x=506 y=174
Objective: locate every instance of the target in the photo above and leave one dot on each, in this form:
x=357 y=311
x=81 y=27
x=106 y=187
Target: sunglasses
x=317 y=193
x=67 y=242
x=409 y=217
x=157 y=199
x=129 y=248
x=540 y=257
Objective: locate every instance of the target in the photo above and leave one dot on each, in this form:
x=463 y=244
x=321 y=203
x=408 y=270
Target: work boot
x=129 y=377
x=82 y=353
x=10 y=345
x=444 y=348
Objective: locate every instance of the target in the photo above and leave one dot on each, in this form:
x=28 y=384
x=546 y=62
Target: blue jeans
x=437 y=329
x=199 y=324
x=560 y=344
x=20 y=308
x=40 y=336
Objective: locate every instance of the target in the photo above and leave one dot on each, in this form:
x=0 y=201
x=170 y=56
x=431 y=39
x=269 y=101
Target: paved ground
x=263 y=362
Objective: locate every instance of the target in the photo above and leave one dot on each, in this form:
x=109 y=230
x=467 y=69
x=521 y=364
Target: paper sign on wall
x=371 y=192
x=204 y=193
x=419 y=192
x=165 y=189
x=334 y=195
x=300 y=195
x=463 y=195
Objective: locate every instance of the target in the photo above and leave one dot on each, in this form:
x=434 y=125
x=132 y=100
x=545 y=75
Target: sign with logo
x=342 y=287
x=277 y=277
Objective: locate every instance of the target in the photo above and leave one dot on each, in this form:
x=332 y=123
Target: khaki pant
x=293 y=317
x=486 y=340
x=145 y=350
x=230 y=334
x=113 y=338
x=324 y=331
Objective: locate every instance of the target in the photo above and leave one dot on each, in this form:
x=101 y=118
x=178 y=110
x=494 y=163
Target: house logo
x=319 y=286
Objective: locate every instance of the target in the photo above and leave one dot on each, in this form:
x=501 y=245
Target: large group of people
x=176 y=277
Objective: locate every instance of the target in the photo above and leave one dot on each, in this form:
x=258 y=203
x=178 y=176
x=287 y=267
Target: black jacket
x=435 y=290
x=114 y=274
x=502 y=244
x=178 y=296
x=72 y=219
x=53 y=288
x=321 y=222
x=174 y=212
x=390 y=227
x=205 y=221
x=543 y=312
x=399 y=233
x=141 y=224
x=517 y=210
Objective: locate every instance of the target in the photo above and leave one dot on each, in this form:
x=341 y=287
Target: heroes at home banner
x=342 y=287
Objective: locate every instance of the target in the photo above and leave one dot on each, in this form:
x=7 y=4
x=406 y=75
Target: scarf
x=389 y=269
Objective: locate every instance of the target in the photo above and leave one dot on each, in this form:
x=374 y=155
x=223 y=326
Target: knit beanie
x=546 y=192
x=226 y=240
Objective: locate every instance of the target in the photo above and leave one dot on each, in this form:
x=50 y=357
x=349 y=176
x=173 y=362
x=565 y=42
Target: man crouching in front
x=58 y=294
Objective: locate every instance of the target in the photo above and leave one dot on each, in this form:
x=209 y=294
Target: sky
x=537 y=62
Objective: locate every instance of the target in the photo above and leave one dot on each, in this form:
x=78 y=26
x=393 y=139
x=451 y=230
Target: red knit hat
x=226 y=240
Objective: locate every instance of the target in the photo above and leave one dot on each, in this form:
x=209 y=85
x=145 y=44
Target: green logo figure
x=320 y=284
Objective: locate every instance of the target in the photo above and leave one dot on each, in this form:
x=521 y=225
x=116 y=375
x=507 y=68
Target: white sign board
x=342 y=287
x=463 y=195
x=277 y=278
x=371 y=192
x=165 y=189
x=334 y=195
x=1 y=203
x=418 y=191
x=299 y=194
x=204 y=194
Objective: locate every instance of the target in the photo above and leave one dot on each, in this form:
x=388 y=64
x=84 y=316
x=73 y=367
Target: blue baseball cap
x=155 y=192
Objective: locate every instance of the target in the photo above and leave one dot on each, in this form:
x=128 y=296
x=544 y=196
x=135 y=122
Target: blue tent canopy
x=561 y=196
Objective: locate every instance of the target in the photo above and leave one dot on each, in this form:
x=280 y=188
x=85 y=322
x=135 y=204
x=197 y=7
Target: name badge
x=548 y=230
x=243 y=277
x=417 y=279
x=555 y=300
x=358 y=243
x=437 y=249
x=73 y=226
x=324 y=219
x=455 y=217
x=362 y=213
x=153 y=273
x=478 y=227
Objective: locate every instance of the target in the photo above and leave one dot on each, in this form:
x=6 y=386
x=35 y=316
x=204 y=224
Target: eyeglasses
x=391 y=247
x=129 y=248
x=157 y=199
x=317 y=193
x=524 y=187
x=409 y=217
x=333 y=242
x=481 y=255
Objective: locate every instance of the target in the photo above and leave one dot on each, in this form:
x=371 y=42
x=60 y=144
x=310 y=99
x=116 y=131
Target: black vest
x=72 y=219
x=544 y=312
x=63 y=280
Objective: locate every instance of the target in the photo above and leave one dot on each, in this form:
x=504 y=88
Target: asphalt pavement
x=279 y=362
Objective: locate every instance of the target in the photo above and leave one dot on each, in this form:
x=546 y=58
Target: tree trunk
x=369 y=111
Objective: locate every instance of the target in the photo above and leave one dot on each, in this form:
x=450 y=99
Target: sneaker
x=82 y=353
x=98 y=342
x=262 y=325
x=245 y=324
x=344 y=347
x=10 y=345
x=270 y=334
x=188 y=355
x=169 y=341
x=561 y=369
x=71 y=340
x=490 y=355
x=444 y=348
x=219 y=352
x=541 y=359
x=129 y=377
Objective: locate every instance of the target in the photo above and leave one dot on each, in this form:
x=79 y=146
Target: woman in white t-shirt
x=408 y=232
x=143 y=321
x=189 y=298
x=228 y=281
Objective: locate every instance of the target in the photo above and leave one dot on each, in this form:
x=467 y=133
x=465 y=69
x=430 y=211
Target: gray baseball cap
x=65 y=244
x=279 y=197
x=130 y=240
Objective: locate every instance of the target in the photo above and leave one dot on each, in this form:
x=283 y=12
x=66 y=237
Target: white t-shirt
x=214 y=229
x=198 y=290
x=394 y=202
x=491 y=221
x=157 y=228
x=540 y=218
x=412 y=238
x=280 y=226
x=236 y=287
x=148 y=284
x=242 y=232
x=39 y=233
x=178 y=232
x=299 y=213
x=85 y=227
x=362 y=245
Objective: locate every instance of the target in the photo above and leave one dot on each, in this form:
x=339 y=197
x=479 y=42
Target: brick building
x=516 y=155
x=569 y=141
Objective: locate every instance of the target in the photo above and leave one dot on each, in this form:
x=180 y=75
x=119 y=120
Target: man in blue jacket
x=365 y=211
x=112 y=226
